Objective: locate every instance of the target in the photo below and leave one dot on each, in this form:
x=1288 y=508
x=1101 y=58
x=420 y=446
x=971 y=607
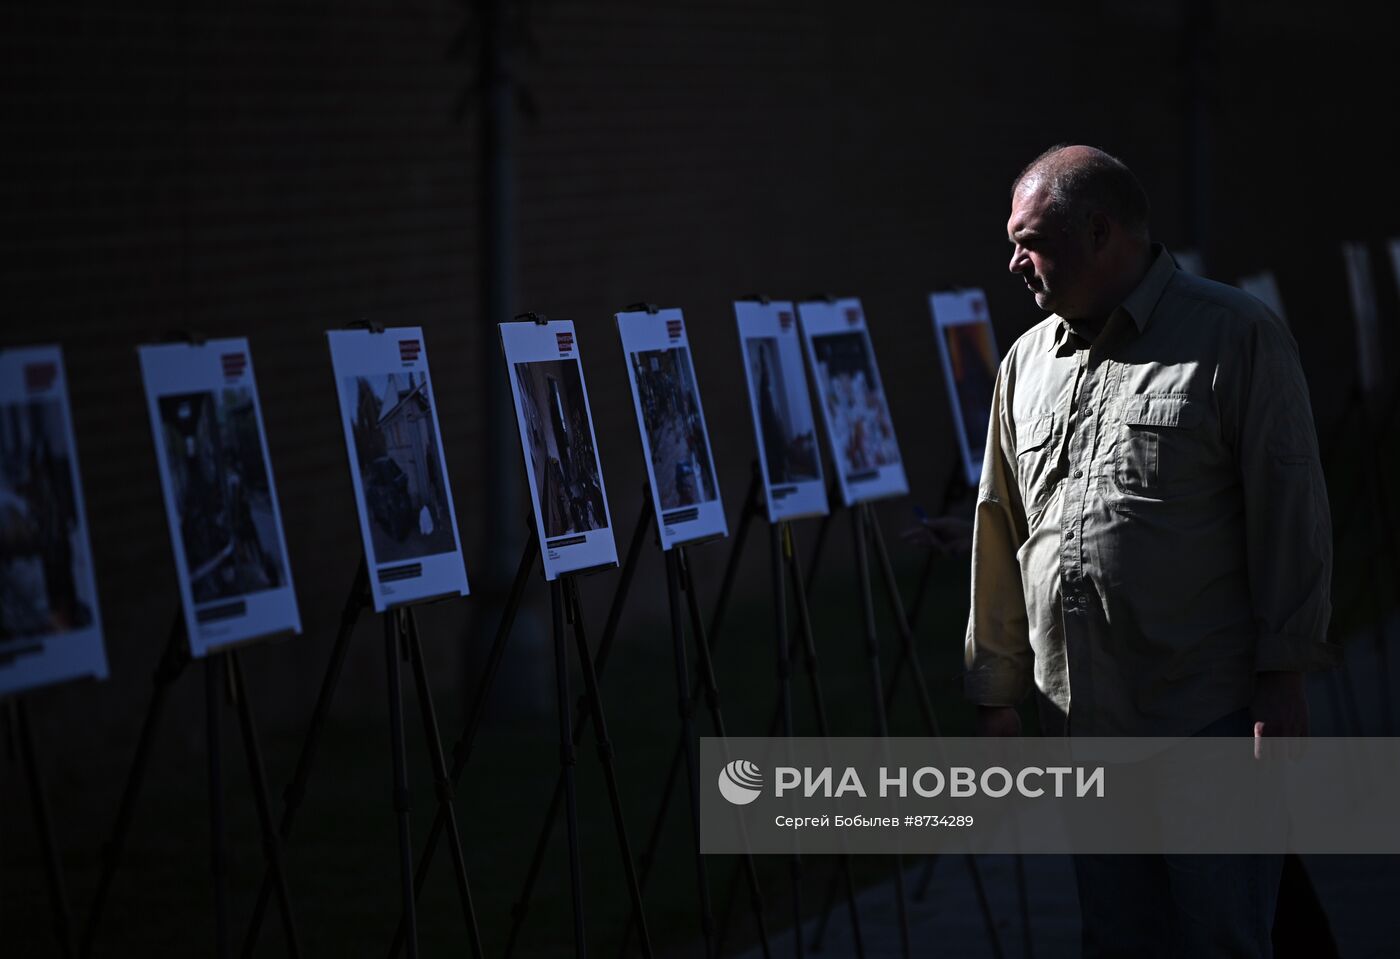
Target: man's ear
x=1100 y=231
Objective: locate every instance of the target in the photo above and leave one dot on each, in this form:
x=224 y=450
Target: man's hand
x=998 y=721
x=1279 y=708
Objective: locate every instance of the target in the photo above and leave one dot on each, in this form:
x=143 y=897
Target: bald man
x=1152 y=547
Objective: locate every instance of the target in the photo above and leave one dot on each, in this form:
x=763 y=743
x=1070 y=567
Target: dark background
x=277 y=169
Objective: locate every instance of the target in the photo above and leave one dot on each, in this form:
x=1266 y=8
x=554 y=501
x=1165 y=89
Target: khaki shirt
x=1152 y=523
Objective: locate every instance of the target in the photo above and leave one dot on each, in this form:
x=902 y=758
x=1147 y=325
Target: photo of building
x=784 y=409
x=400 y=464
x=862 y=433
x=680 y=449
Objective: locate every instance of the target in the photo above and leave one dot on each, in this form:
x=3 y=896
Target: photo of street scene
x=563 y=459
x=399 y=458
x=680 y=450
x=784 y=409
x=43 y=552
x=222 y=492
x=972 y=358
x=862 y=434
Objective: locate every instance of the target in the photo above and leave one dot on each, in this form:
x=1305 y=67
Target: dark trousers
x=1189 y=906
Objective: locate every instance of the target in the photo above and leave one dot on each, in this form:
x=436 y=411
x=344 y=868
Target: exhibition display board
x=50 y=622
x=967 y=349
x=220 y=500
x=407 y=518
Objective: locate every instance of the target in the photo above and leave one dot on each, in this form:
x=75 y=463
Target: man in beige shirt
x=1152 y=548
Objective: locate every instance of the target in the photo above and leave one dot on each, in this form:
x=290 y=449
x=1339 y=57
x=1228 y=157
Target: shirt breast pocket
x=1034 y=448
x=1159 y=446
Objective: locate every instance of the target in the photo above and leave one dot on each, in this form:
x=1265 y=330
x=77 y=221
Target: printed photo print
x=680 y=450
x=222 y=493
x=43 y=555
x=784 y=411
x=862 y=433
x=974 y=364
x=400 y=463
x=563 y=459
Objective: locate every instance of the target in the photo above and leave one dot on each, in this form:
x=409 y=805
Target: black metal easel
x=172 y=664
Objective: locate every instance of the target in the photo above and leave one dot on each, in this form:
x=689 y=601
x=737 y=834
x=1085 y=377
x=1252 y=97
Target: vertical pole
x=218 y=855
x=400 y=775
x=568 y=759
x=496 y=243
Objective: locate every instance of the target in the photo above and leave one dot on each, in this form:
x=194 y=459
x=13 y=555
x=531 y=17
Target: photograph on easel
x=50 y=625
x=408 y=523
x=675 y=441
x=967 y=350
x=562 y=455
x=562 y=468
x=220 y=498
x=859 y=428
x=784 y=425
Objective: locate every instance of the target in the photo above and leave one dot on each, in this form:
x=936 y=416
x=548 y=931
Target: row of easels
x=795 y=643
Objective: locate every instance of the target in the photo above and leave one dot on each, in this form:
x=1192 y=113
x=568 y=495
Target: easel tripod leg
x=686 y=710
x=859 y=524
x=392 y=632
x=711 y=690
x=258 y=778
x=605 y=756
x=441 y=781
x=567 y=760
x=172 y=662
x=43 y=823
x=581 y=717
x=218 y=851
x=461 y=752
x=296 y=790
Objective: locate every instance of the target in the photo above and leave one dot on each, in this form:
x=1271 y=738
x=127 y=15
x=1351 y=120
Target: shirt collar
x=1138 y=304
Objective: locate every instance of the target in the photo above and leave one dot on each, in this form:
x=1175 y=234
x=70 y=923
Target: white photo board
x=675 y=441
x=1263 y=286
x=859 y=430
x=968 y=350
x=1365 y=313
x=408 y=522
x=784 y=425
x=220 y=498
x=50 y=623
x=558 y=445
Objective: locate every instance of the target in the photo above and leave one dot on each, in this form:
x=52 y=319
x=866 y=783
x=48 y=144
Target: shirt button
x=1069 y=535
x=1078 y=474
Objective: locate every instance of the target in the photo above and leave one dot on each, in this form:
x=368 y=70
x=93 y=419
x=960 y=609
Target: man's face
x=1051 y=255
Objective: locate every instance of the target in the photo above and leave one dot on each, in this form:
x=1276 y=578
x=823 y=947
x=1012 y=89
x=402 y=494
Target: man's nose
x=1017 y=265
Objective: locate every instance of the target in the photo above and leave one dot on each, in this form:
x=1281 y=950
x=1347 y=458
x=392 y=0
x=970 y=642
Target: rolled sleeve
x=1000 y=662
x=1288 y=526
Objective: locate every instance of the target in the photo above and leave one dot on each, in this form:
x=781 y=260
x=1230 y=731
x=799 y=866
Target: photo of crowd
x=222 y=492
x=400 y=462
x=42 y=548
x=783 y=408
x=862 y=432
x=676 y=438
x=563 y=459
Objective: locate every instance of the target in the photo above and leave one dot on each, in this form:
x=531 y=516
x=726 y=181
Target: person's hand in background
x=947 y=535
